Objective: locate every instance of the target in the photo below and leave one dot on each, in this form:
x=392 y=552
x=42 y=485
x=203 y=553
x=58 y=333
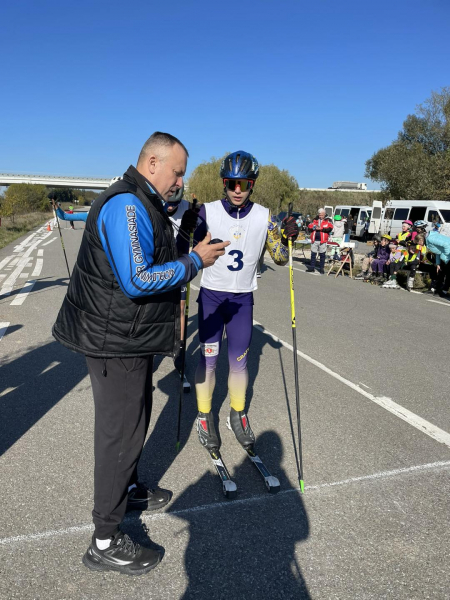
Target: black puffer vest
x=96 y=317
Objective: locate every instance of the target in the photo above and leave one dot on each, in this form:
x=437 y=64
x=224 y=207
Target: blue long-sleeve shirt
x=80 y=216
x=126 y=233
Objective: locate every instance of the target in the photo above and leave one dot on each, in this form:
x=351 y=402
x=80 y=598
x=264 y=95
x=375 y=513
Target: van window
x=337 y=211
x=434 y=217
x=362 y=215
x=445 y=215
x=417 y=213
x=401 y=214
x=389 y=213
x=345 y=212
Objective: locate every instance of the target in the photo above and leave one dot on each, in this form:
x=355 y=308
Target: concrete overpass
x=55 y=181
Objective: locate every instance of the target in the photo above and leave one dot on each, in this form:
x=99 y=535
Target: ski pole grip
x=289 y=209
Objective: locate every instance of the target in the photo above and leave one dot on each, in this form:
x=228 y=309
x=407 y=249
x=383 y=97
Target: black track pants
x=123 y=404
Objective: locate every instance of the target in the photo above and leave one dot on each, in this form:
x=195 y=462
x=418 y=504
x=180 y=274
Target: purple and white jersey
x=236 y=270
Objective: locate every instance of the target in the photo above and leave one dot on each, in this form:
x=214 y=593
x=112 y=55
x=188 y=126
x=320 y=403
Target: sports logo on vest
x=236 y=232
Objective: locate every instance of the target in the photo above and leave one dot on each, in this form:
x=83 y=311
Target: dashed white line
x=7 y=390
x=8 y=285
x=230 y=505
x=3 y=327
x=5 y=261
x=396 y=409
x=21 y=296
x=38 y=267
x=52 y=365
x=41 y=252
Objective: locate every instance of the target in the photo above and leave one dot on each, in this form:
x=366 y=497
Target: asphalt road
x=373 y=521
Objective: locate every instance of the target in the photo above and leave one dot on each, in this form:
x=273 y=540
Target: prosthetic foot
x=239 y=423
x=207 y=432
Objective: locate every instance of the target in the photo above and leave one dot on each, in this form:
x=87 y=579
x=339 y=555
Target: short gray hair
x=322 y=210
x=160 y=141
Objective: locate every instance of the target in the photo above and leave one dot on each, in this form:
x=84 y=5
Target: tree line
x=25 y=198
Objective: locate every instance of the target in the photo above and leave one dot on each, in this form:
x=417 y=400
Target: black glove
x=289 y=230
x=189 y=220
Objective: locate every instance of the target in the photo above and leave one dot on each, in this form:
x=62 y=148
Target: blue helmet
x=420 y=223
x=239 y=165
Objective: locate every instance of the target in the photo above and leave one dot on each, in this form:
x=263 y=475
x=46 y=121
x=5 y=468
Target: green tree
x=21 y=198
x=274 y=188
x=417 y=164
x=205 y=182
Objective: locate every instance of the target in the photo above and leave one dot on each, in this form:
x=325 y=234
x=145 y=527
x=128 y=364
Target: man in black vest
x=122 y=308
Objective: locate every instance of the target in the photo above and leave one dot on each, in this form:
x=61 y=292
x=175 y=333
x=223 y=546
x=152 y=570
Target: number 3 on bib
x=237 y=263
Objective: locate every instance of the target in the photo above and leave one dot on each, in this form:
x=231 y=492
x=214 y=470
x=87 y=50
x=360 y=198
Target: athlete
x=226 y=294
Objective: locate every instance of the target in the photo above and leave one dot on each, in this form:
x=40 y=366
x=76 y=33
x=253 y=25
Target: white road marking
x=194 y=287
x=47 y=243
x=8 y=285
x=14 y=262
x=26 y=241
x=399 y=411
x=21 y=296
x=5 y=261
x=7 y=390
x=38 y=267
x=23 y=275
x=2 y=276
x=437 y=302
x=227 y=504
x=40 y=252
x=3 y=327
x=52 y=365
x=366 y=386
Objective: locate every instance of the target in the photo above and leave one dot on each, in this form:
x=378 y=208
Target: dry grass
x=22 y=224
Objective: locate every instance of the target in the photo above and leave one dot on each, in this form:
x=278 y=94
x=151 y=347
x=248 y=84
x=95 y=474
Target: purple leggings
x=237 y=320
x=378 y=266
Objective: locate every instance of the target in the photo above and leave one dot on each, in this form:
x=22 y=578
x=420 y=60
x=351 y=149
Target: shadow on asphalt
x=40 y=286
x=241 y=551
x=36 y=392
x=246 y=550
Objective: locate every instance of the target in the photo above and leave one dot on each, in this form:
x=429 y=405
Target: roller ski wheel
x=229 y=488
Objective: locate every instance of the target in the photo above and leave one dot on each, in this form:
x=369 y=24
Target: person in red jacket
x=320 y=229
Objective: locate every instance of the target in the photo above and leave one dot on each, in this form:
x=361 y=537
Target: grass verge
x=22 y=225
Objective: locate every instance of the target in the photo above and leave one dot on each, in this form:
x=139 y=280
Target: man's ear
x=151 y=164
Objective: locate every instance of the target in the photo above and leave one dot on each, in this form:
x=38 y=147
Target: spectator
x=368 y=259
x=337 y=236
x=380 y=259
x=406 y=233
x=365 y=234
x=349 y=227
x=396 y=258
x=440 y=246
x=320 y=229
x=69 y=211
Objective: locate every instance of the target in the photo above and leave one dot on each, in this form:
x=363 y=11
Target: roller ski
x=209 y=440
x=238 y=422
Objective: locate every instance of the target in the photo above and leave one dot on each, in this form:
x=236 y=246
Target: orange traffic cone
x=49 y=228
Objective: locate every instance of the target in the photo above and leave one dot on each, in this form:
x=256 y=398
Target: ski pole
x=59 y=229
x=294 y=346
x=183 y=342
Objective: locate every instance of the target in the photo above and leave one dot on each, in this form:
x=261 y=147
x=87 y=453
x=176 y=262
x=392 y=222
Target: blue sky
x=313 y=87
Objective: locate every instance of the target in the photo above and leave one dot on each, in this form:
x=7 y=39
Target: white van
x=397 y=211
x=359 y=213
